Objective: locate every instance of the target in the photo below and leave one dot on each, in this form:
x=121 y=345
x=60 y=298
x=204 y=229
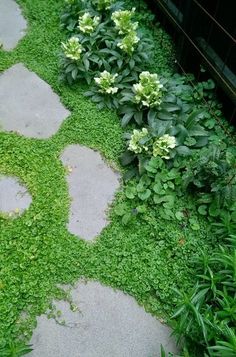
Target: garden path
x=108 y=323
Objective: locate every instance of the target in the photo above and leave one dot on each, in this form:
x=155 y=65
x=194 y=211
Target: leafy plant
x=212 y=173
x=158 y=185
x=123 y=21
x=225 y=226
x=120 y=49
x=81 y=56
x=69 y=17
x=75 y=8
x=108 y=97
x=15 y=349
x=206 y=315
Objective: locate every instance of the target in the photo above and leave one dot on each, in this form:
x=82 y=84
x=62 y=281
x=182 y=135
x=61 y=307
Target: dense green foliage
x=15 y=349
x=37 y=252
x=174 y=155
x=146 y=257
x=206 y=317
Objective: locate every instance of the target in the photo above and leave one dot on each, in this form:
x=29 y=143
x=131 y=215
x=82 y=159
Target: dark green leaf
x=183 y=151
x=127 y=158
x=164 y=115
x=126 y=119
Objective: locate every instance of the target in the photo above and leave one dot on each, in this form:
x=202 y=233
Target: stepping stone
x=12 y=24
x=108 y=323
x=28 y=105
x=92 y=185
x=14 y=197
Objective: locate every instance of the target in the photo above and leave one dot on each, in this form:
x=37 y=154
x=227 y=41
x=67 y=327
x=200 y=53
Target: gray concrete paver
x=12 y=24
x=28 y=105
x=92 y=185
x=108 y=324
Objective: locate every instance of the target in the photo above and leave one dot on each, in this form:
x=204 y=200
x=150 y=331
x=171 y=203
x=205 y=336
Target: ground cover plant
x=138 y=252
x=173 y=149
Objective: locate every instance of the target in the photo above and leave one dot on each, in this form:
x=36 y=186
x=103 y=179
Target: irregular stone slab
x=92 y=185
x=14 y=197
x=107 y=324
x=12 y=24
x=28 y=105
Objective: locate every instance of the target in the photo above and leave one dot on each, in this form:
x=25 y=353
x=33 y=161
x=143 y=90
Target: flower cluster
x=135 y=143
x=162 y=146
x=123 y=21
x=105 y=82
x=128 y=42
x=148 y=91
x=72 y=48
x=125 y=26
x=141 y=141
x=87 y=23
x=103 y=4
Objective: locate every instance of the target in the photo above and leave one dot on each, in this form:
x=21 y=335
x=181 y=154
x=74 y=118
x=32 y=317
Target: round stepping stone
x=14 y=197
x=92 y=185
x=12 y=24
x=28 y=105
x=108 y=323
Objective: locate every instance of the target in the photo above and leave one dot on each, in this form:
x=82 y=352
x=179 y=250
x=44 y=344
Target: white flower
x=134 y=143
x=106 y=81
x=162 y=146
x=111 y=90
x=97 y=80
x=128 y=42
x=87 y=23
x=123 y=21
x=72 y=48
x=148 y=91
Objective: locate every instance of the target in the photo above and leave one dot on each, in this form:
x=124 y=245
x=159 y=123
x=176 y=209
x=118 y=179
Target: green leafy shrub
x=205 y=318
x=158 y=185
x=162 y=102
x=75 y=8
x=71 y=12
x=81 y=57
x=120 y=48
x=211 y=174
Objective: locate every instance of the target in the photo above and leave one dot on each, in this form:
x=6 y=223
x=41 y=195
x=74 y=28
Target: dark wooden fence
x=204 y=32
